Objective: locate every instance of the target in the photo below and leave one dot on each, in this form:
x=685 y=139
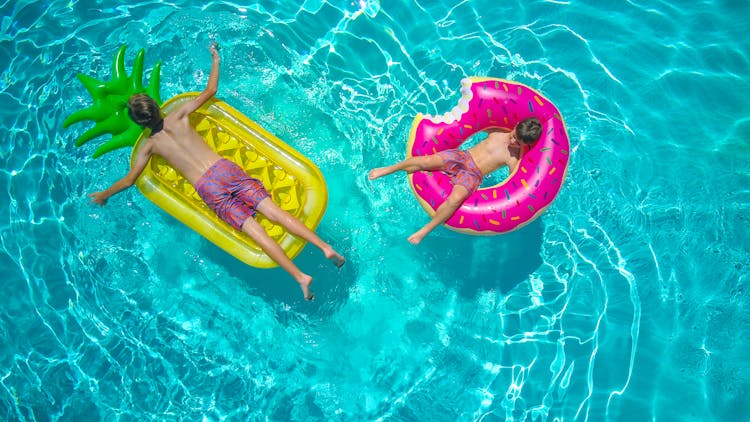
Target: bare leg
x=279 y=216
x=269 y=246
x=443 y=213
x=410 y=165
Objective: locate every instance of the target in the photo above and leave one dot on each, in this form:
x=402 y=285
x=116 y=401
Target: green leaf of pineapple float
x=110 y=108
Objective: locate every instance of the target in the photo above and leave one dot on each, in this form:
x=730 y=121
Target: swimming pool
x=626 y=301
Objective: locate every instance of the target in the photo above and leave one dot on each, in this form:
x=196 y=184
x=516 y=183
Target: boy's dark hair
x=529 y=130
x=143 y=110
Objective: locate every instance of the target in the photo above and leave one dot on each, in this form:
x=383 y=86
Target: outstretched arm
x=141 y=160
x=210 y=91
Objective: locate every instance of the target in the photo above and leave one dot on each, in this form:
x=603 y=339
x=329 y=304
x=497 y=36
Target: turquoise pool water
x=626 y=301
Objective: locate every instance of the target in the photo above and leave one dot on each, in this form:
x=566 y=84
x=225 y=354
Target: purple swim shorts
x=461 y=168
x=230 y=192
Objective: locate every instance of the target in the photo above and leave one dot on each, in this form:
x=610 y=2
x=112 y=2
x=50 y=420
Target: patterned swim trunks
x=230 y=192
x=461 y=168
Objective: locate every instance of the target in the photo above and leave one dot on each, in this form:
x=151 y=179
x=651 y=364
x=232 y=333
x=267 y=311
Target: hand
x=98 y=198
x=214 y=51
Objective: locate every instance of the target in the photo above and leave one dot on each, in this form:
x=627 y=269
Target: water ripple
x=603 y=309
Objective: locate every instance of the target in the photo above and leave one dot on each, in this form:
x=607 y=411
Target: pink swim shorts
x=230 y=192
x=461 y=168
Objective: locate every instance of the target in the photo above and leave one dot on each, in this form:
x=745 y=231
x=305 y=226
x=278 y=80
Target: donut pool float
x=529 y=189
x=294 y=182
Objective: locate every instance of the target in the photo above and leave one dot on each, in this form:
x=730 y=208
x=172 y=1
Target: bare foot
x=416 y=237
x=334 y=257
x=304 y=284
x=377 y=172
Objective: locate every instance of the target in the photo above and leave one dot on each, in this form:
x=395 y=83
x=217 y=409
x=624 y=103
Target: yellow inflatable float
x=293 y=181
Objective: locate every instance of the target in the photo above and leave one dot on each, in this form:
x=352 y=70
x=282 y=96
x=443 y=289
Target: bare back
x=178 y=142
x=183 y=147
x=494 y=152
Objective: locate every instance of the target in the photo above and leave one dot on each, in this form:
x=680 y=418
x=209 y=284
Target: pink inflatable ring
x=531 y=186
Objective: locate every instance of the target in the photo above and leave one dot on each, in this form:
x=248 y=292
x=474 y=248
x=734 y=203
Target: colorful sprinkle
x=486 y=213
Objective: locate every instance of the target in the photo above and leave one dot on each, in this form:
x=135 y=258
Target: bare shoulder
x=181 y=114
x=148 y=145
x=497 y=138
x=170 y=120
x=174 y=117
x=176 y=125
x=145 y=150
x=496 y=129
